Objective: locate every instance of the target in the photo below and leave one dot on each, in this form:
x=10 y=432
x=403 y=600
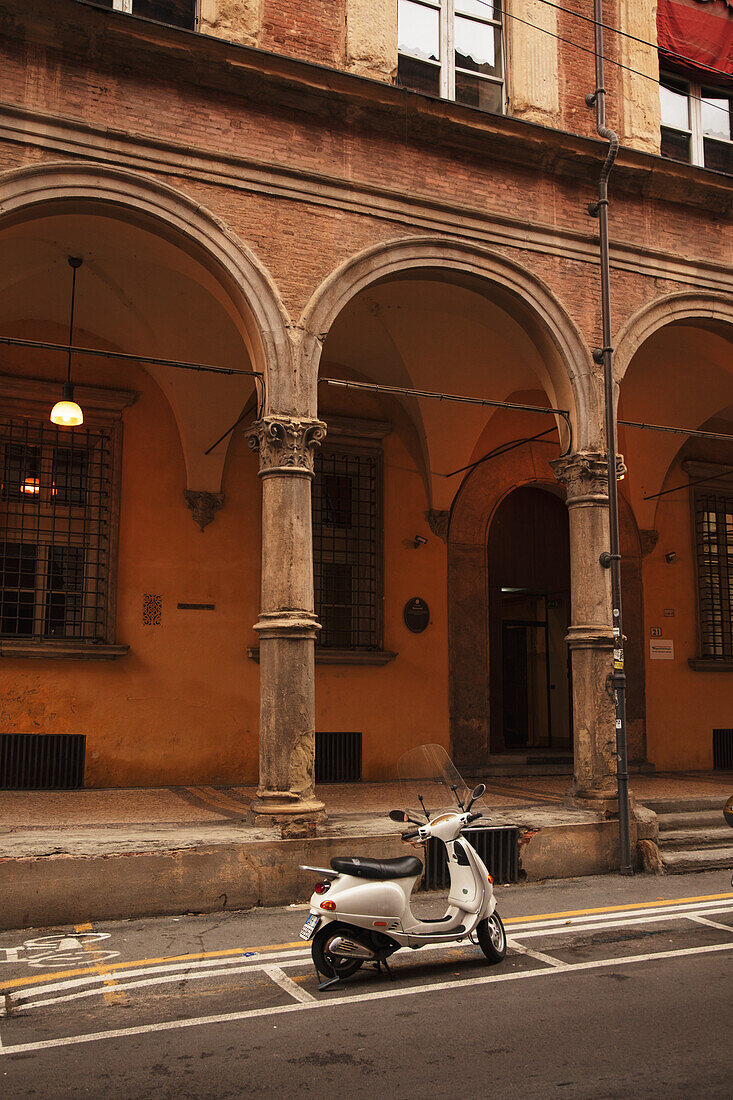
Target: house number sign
x=417 y=615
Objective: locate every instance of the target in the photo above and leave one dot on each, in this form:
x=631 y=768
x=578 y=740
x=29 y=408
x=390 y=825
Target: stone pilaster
x=590 y=637
x=287 y=624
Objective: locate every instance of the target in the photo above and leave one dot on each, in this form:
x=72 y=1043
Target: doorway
x=529 y=607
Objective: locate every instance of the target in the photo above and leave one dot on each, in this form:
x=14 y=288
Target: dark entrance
x=529 y=609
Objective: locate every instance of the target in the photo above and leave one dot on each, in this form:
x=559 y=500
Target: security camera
x=420 y=540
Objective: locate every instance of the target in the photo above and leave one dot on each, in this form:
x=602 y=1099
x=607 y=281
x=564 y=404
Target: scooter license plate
x=310 y=927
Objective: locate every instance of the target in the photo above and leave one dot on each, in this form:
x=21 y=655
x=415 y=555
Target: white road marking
x=538 y=955
x=338 y=1002
x=22 y=997
x=280 y=978
x=711 y=923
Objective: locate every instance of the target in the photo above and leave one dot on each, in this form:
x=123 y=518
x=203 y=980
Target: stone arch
x=705 y=307
x=62 y=185
x=570 y=371
x=476 y=503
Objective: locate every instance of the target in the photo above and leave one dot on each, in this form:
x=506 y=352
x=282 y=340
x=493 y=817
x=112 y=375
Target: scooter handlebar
x=410 y=836
x=474 y=817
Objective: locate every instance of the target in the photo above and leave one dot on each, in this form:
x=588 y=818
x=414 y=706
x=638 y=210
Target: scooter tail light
x=322 y=887
x=328 y=905
x=490 y=879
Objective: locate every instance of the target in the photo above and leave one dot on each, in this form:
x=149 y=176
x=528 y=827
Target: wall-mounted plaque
x=417 y=615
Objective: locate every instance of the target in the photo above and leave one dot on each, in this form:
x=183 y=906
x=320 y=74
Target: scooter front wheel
x=327 y=962
x=492 y=938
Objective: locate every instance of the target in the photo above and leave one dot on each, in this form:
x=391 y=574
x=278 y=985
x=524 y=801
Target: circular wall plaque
x=417 y=615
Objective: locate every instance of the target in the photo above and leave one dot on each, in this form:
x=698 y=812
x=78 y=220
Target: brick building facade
x=255 y=189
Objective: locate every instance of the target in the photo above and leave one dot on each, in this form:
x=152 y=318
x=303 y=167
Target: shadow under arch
x=68 y=186
x=524 y=297
x=706 y=308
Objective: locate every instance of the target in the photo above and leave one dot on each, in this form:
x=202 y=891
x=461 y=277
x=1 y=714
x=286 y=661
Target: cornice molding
x=70 y=137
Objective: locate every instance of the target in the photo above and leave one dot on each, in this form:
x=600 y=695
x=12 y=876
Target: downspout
x=604 y=355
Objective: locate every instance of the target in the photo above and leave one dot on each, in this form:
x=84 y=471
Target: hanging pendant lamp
x=66 y=413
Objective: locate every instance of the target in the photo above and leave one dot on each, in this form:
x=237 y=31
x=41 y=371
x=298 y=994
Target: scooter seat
x=377 y=868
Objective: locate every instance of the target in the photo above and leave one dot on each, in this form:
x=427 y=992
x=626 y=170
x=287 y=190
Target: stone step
x=694 y=839
x=700 y=819
x=663 y=806
x=704 y=859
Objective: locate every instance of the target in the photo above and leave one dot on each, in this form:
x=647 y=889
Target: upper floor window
x=177 y=13
x=453 y=49
x=696 y=124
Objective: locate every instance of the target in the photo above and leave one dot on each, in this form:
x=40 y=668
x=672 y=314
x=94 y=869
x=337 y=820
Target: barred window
x=346 y=560
x=55 y=525
x=714 y=537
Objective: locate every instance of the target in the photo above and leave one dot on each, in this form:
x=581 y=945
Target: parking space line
x=280 y=978
x=538 y=955
x=711 y=923
x=339 y=1002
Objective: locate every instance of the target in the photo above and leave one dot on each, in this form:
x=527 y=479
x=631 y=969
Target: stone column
x=287 y=624
x=590 y=637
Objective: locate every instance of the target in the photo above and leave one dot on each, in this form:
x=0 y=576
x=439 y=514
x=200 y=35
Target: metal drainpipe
x=611 y=560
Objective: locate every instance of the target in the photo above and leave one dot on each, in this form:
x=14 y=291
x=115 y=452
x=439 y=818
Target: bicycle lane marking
x=671 y=904
x=338 y=1002
x=111 y=995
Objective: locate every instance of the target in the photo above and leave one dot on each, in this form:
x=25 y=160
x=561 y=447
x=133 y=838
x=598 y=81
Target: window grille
x=714 y=535
x=345 y=557
x=55 y=502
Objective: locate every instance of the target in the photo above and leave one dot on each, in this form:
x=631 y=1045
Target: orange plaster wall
x=182 y=706
x=404 y=703
x=683 y=704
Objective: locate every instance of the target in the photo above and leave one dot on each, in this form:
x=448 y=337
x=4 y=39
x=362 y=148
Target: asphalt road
x=611 y=988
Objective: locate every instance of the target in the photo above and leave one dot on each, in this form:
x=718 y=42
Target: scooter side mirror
x=398 y=815
x=476 y=793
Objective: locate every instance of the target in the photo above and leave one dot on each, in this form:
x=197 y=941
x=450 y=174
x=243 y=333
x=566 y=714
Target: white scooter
x=360 y=910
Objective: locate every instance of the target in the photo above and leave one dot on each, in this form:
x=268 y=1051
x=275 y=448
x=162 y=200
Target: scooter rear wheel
x=327 y=962
x=492 y=938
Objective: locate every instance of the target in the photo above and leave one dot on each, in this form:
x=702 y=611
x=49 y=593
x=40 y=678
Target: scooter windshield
x=429 y=780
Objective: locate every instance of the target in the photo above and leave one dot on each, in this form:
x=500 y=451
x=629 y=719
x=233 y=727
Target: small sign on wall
x=655 y=632
x=661 y=649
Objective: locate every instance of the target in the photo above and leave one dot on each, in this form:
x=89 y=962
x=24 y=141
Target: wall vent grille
x=498 y=848
x=36 y=762
x=723 y=750
x=338 y=757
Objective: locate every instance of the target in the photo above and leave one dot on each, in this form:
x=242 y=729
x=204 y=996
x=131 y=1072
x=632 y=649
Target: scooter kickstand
x=326 y=984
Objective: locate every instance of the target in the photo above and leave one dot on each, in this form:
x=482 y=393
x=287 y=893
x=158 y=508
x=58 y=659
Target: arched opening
x=528 y=563
x=441 y=318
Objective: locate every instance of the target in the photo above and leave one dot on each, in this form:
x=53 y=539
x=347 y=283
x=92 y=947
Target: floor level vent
x=723 y=750
x=338 y=757
x=498 y=848
x=36 y=762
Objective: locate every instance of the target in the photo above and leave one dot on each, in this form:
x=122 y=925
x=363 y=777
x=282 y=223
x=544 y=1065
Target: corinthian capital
x=584 y=475
x=286 y=443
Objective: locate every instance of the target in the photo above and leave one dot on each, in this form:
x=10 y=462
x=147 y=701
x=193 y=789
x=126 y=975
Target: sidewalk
x=102 y=854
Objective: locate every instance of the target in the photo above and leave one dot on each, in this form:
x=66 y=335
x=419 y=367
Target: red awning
x=697 y=35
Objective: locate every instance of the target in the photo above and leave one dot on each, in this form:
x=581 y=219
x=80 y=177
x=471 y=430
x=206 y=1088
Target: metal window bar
x=498 y=847
x=55 y=500
x=714 y=537
x=345 y=562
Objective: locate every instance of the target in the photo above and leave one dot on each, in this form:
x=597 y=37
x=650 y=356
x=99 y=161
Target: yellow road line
x=112 y=995
x=37 y=979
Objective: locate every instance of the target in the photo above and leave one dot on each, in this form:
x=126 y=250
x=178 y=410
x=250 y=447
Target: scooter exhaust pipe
x=349 y=949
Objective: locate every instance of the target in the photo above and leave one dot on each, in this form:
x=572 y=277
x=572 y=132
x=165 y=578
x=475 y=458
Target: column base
x=295 y=817
x=604 y=801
